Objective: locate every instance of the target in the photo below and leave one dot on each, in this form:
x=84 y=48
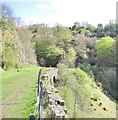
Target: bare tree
x=18 y=21
x=7 y=12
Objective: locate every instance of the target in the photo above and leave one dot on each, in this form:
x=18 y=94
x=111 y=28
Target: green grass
x=79 y=92
x=74 y=92
x=19 y=86
x=10 y=79
x=67 y=95
x=25 y=81
x=30 y=106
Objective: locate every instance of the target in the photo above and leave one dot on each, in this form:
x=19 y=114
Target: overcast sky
x=65 y=12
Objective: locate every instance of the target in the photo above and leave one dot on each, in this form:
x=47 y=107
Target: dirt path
x=12 y=106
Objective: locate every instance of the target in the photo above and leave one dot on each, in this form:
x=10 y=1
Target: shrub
x=53 y=52
x=62 y=33
x=63 y=73
x=106 y=52
x=9 y=58
x=62 y=68
x=48 y=51
x=69 y=57
x=87 y=68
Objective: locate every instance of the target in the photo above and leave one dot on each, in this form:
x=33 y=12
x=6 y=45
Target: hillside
x=83 y=97
x=25 y=36
x=17 y=52
x=83 y=56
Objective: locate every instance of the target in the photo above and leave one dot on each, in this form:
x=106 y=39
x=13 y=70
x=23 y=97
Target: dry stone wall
x=57 y=106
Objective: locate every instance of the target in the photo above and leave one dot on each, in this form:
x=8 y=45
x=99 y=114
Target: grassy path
x=19 y=92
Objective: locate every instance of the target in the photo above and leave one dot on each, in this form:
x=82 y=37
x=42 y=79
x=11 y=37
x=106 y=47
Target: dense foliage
x=106 y=52
x=15 y=52
x=110 y=29
x=50 y=44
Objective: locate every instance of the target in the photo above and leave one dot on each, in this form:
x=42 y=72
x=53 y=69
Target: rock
x=100 y=104
x=61 y=102
x=56 y=91
x=91 y=105
x=65 y=110
x=104 y=108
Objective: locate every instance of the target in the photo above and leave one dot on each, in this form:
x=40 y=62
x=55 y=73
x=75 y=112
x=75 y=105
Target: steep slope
x=106 y=61
x=16 y=51
x=25 y=36
x=84 y=99
x=11 y=55
x=109 y=80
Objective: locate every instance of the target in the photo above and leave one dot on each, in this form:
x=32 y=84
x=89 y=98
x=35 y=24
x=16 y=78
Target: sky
x=64 y=12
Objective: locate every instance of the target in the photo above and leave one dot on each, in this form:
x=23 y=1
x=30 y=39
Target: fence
x=39 y=94
x=56 y=103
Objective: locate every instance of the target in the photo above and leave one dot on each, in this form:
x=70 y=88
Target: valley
x=80 y=62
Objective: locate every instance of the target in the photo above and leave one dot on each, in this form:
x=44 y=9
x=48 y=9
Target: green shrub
x=62 y=33
x=71 y=55
x=53 y=52
x=62 y=68
x=106 y=52
x=63 y=73
x=9 y=58
x=85 y=56
x=87 y=68
x=46 y=48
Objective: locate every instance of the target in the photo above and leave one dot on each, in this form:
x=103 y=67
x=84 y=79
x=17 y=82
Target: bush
x=53 y=52
x=69 y=57
x=48 y=51
x=62 y=33
x=9 y=58
x=62 y=68
x=63 y=73
x=87 y=68
x=106 y=52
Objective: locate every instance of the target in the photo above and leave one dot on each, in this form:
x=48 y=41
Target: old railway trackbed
x=12 y=106
x=57 y=105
